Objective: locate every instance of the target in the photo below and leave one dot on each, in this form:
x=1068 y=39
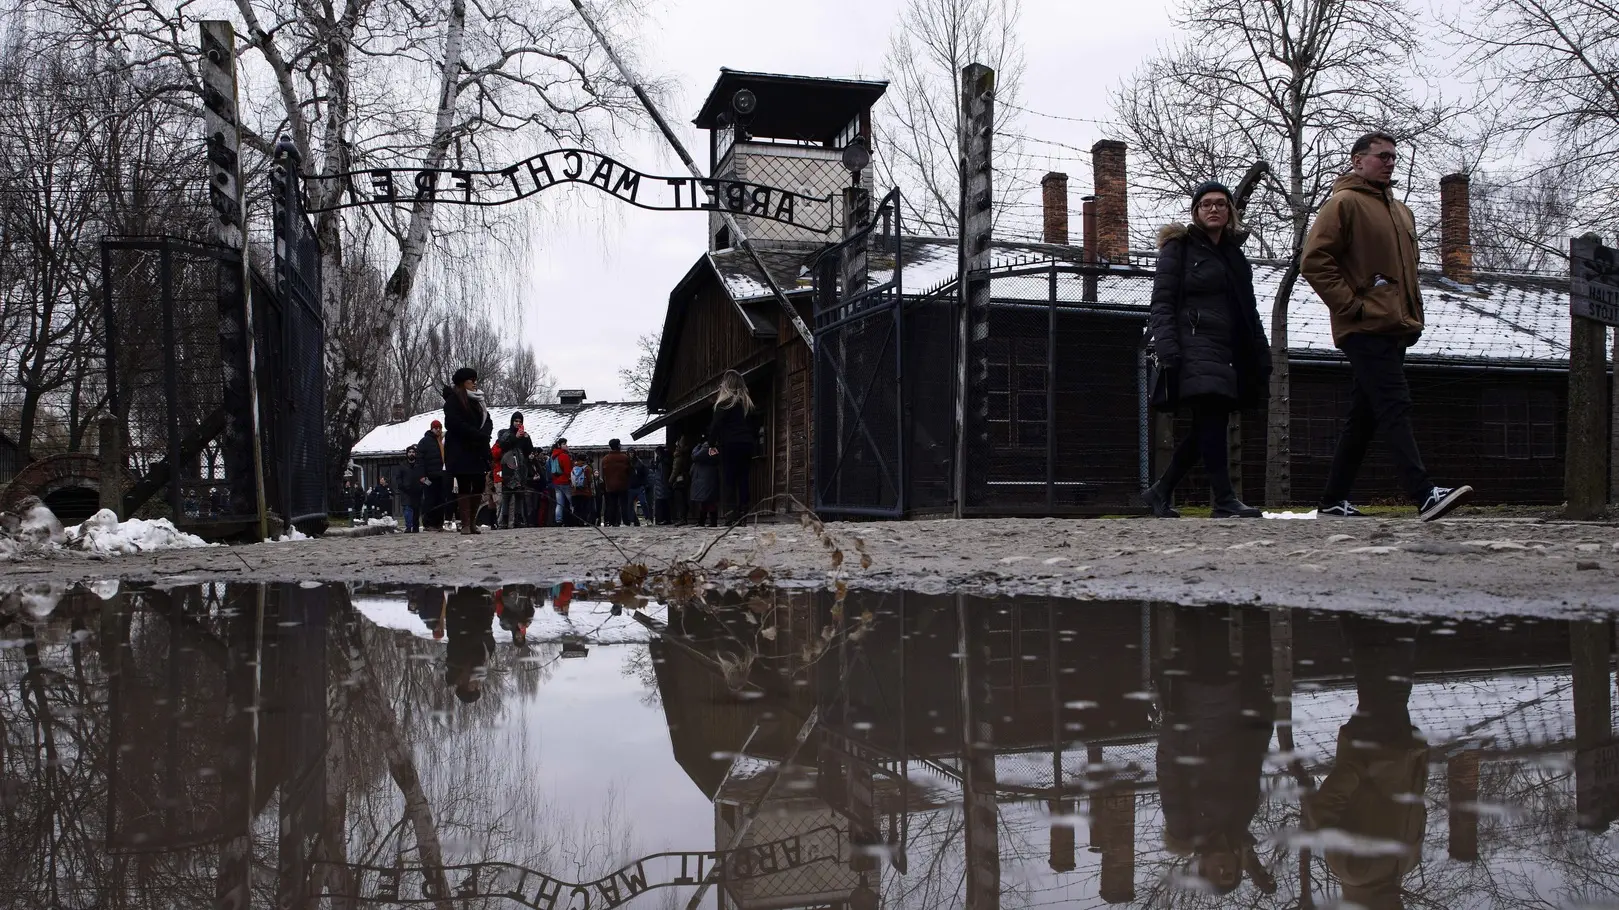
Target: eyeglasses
x=1385 y=157
x=1213 y=205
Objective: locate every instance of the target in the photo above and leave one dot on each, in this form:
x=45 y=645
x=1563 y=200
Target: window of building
x=1017 y=393
x=1519 y=423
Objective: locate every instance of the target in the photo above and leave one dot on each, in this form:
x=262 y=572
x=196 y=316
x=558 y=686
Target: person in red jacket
x=561 y=470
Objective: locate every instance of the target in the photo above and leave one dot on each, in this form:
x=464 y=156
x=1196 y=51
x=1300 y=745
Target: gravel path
x=1488 y=565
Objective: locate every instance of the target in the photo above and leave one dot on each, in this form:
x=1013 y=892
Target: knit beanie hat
x=462 y=375
x=1212 y=186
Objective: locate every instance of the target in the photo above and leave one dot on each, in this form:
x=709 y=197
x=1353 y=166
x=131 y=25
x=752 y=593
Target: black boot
x=1227 y=505
x=1158 y=501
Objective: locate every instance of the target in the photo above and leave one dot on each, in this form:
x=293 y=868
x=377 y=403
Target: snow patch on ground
x=1311 y=515
x=104 y=533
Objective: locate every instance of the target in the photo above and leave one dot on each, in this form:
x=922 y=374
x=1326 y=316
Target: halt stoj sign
x=1595 y=287
x=391 y=186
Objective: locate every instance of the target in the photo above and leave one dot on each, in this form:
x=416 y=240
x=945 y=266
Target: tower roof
x=804 y=108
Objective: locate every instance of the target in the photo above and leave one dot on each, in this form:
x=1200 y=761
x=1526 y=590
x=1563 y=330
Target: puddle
x=289 y=746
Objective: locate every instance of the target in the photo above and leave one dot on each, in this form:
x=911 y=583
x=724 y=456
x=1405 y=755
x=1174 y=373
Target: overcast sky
x=602 y=273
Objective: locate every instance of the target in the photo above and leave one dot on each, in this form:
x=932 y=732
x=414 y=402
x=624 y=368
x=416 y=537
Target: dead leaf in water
x=837 y=559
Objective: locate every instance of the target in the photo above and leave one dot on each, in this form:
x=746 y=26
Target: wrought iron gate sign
x=389 y=186
x=481 y=881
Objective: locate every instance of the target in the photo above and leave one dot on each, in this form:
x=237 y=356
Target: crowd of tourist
x=462 y=471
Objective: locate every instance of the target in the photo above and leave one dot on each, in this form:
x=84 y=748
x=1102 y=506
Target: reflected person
x=469 y=620
x=1218 y=716
x=1375 y=788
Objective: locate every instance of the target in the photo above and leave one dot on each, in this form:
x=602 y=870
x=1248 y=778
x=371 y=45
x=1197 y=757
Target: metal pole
x=1585 y=479
x=1051 y=392
x=981 y=815
x=217 y=40
x=977 y=222
x=691 y=165
x=171 y=382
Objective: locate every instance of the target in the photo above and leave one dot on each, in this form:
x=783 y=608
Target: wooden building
x=722 y=315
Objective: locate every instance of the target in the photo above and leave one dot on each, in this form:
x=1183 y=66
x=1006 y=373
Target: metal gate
x=293 y=348
x=165 y=359
x=177 y=368
x=859 y=316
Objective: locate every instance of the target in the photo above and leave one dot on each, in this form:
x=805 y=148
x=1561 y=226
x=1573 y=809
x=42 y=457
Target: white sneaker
x=1341 y=509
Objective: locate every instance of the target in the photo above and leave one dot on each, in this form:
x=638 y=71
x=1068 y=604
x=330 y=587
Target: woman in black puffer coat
x=1208 y=337
x=467 y=429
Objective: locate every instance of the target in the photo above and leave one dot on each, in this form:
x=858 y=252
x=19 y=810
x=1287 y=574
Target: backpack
x=580 y=478
x=553 y=466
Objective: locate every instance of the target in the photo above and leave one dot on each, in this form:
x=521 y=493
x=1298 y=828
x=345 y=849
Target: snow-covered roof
x=586 y=426
x=1497 y=319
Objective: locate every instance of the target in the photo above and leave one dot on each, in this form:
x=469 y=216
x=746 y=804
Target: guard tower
x=788 y=132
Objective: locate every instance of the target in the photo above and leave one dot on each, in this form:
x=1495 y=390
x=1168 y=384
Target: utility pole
x=1593 y=305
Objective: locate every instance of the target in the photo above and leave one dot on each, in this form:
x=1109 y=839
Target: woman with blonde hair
x=731 y=437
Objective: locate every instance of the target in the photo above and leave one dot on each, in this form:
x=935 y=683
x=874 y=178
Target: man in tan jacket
x=1361 y=259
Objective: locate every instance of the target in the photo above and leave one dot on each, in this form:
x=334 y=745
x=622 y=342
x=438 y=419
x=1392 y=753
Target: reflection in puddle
x=284 y=746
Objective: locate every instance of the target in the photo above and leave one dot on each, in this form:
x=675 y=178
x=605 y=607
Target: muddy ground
x=1489 y=565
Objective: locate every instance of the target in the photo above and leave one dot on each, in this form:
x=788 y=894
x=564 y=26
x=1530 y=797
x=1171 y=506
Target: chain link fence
x=1056 y=418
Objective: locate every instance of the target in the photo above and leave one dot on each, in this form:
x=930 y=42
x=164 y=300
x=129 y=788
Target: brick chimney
x=1112 y=200
x=1054 y=206
x=1456 y=228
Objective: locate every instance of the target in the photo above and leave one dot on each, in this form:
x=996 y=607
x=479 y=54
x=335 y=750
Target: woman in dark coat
x=467 y=430
x=1216 y=731
x=731 y=436
x=1208 y=339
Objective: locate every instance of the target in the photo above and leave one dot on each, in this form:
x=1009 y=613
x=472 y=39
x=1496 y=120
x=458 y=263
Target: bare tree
x=1292 y=82
x=637 y=377
x=918 y=128
x=526 y=380
x=1552 y=66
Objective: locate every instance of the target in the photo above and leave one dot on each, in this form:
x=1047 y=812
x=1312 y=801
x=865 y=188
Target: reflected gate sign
x=1594 y=269
x=392 y=186
x=407 y=885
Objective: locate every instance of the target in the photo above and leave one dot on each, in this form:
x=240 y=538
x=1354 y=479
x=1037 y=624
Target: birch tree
x=1292 y=82
x=918 y=127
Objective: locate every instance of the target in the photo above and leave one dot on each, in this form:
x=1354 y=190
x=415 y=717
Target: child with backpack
x=584 y=492
x=705 y=484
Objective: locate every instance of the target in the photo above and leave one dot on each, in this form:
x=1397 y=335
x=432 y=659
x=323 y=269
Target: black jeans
x=1381 y=401
x=736 y=460
x=616 y=510
x=1211 y=418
